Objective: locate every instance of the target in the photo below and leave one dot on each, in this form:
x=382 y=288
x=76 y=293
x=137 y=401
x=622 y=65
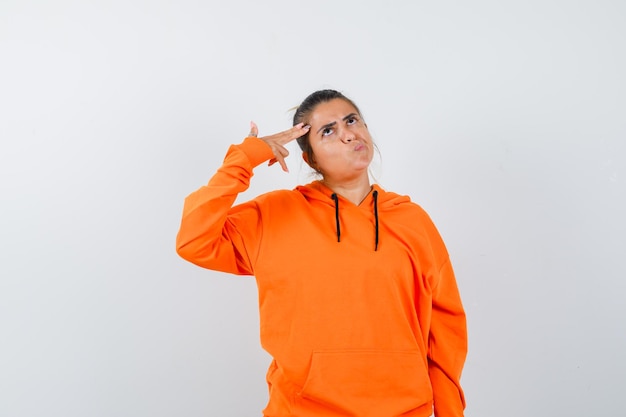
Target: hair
x=304 y=110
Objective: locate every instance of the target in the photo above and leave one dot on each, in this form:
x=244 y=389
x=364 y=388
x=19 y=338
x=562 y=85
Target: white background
x=504 y=120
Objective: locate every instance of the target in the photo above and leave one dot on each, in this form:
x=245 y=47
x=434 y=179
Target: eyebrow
x=331 y=124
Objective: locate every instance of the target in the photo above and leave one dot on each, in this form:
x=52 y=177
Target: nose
x=347 y=137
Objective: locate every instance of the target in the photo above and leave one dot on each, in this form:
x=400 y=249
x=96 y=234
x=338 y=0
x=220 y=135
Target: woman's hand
x=278 y=140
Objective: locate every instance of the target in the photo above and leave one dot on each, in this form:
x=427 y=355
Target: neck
x=354 y=191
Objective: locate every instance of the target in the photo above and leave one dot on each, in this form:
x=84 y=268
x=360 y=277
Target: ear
x=306 y=159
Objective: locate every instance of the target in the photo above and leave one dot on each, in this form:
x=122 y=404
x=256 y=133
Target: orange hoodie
x=359 y=306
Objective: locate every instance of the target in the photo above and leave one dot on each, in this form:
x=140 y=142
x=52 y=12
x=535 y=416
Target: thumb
x=254 y=130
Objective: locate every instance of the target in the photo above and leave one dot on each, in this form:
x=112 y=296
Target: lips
x=359 y=147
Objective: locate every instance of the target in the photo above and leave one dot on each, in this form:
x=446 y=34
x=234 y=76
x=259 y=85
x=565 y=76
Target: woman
x=359 y=306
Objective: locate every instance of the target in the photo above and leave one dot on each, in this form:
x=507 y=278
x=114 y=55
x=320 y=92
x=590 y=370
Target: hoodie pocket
x=368 y=382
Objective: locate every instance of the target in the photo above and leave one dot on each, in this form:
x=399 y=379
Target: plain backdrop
x=505 y=120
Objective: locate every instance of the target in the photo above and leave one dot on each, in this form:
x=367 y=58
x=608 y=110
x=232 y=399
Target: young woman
x=359 y=306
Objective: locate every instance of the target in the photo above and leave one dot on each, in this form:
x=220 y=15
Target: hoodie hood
x=377 y=200
x=316 y=190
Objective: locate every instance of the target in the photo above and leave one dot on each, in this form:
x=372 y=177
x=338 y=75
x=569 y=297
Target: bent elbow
x=185 y=249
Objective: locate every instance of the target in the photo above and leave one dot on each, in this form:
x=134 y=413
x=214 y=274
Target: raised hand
x=277 y=141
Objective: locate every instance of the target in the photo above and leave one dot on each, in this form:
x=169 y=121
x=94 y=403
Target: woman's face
x=342 y=146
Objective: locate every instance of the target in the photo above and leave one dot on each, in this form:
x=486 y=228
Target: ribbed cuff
x=256 y=150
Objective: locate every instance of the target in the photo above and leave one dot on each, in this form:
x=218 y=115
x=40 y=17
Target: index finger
x=290 y=134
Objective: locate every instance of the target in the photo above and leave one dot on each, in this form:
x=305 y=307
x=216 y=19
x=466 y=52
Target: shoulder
x=401 y=211
x=399 y=203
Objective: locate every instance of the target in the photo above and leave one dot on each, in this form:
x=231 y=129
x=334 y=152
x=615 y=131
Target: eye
x=327 y=131
x=351 y=121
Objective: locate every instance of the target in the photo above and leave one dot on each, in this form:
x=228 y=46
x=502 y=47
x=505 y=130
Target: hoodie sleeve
x=215 y=235
x=447 y=345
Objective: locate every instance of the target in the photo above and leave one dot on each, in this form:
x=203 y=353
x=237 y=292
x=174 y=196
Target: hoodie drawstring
x=334 y=197
x=336 y=200
x=375 y=195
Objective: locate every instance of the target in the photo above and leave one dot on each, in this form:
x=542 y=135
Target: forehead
x=331 y=111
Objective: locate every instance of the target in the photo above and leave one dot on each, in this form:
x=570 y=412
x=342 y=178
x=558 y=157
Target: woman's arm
x=447 y=345
x=212 y=233
x=215 y=235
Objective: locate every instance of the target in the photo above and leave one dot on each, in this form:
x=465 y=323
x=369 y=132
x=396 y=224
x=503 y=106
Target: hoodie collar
x=318 y=191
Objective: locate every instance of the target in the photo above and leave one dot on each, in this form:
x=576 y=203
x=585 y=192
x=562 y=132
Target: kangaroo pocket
x=368 y=382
